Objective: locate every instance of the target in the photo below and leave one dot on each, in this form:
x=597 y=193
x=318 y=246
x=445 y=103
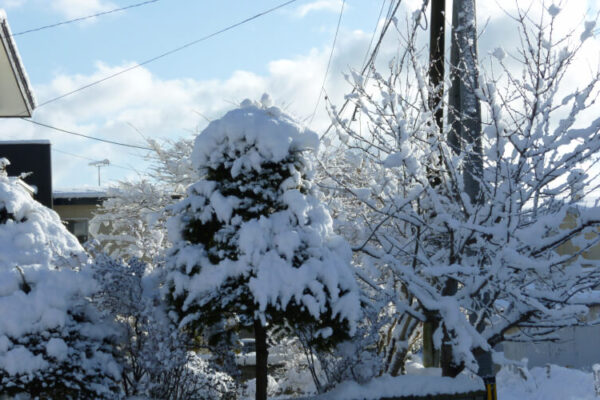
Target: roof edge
x=16 y=64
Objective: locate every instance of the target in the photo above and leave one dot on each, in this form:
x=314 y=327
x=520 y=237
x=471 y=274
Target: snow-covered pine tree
x=52 y=344
x=251 y=240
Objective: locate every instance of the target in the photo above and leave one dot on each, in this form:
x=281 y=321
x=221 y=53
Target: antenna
x=100 y=164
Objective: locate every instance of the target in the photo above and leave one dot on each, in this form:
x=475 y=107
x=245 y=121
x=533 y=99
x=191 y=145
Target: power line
x=371 y=60
x=86 y=136
x=168 y=53
x=375 y=30
x=91 y=159
x=337 y=29
x=84 y=18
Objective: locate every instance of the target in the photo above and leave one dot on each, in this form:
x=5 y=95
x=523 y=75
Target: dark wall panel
x=31 y=157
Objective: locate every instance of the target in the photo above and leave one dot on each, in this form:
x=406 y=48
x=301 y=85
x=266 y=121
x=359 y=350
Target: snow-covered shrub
x=251 y=240
x=157 y=360
x=52 y=342
x=131 y=221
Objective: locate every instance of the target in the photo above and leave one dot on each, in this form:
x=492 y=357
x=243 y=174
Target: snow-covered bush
x=156 y=359
x=131 y=221
x=52 y=342
x=251 y=240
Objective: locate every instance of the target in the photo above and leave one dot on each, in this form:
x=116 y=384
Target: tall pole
x=437 y=36
x=464 y=117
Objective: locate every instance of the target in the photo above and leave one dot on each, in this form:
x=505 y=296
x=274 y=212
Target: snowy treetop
x=271 y=132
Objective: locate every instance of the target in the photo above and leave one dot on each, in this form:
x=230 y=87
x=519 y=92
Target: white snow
x=41 y=287
x=549 y=383
x=78 y=193
x=406 y=385
x=270 y=132
x=553 y=10
x=499 y=53
x=588 y=30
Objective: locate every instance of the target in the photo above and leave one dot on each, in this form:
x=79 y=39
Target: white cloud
x=11 y=3
x=67 y=8
x=169 y=108
x=319 y=5
x=81 y=8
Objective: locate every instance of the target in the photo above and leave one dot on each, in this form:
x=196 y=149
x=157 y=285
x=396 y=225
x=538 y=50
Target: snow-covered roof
x=39 y=141
x=16 y=96
x=78 y=194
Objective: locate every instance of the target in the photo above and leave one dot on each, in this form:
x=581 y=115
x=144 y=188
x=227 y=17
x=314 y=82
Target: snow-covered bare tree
x=157 y=360
x=131 y=221
x=251 y=240
x=481 y=268
x=53 y=343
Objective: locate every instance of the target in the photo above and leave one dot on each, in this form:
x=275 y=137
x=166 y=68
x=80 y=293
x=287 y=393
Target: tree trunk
x=262 y=354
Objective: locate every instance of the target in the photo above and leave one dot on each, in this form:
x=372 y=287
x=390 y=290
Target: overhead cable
x=133 y=146
x=371 y=59
x=337 y=29
x=168 y=53
x=375 y=30
x=84 y=18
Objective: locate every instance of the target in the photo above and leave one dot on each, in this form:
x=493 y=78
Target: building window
x=79 y=228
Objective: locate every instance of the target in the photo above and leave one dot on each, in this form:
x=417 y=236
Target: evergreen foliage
x=250 y=224
x=53 y=344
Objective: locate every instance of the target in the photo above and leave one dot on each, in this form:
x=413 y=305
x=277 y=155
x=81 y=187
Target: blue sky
x=284 y=53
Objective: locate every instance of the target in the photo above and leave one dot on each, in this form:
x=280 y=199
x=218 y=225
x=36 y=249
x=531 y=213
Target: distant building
x=76 y=209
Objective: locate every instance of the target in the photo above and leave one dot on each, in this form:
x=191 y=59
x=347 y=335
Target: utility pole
x=437 y=36
x=464 y=117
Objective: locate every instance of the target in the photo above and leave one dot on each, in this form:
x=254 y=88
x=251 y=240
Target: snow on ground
x=549 y=383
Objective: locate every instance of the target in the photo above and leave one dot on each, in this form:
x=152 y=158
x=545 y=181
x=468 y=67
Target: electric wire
x=133 y=146
x=386 y=25
x=69 y=21
x=337 y=29
x=168 y=53
x=374 y=32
